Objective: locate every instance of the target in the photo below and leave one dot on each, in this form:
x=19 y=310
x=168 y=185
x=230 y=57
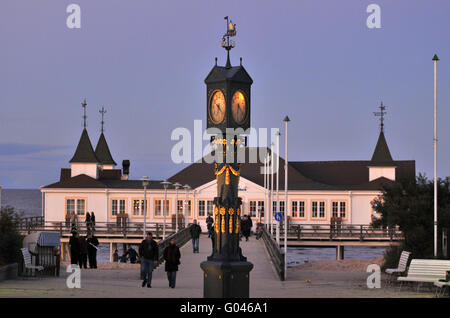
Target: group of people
x=246 y=227
x=129 y=254
x=149 y=255
x=82 y=249
x=72 y=220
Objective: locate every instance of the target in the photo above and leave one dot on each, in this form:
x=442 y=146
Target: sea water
x=28 y=202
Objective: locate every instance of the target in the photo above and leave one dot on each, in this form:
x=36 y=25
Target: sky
x=145 y=62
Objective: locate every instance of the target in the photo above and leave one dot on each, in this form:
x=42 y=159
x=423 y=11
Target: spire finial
x=103 y=112
x=381 y=114
x=84 y=104
x=228 y=44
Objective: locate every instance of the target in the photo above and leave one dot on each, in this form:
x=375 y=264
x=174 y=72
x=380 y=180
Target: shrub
x=10 y=238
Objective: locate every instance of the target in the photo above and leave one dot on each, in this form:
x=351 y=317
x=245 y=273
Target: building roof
x=381 y=156
x=102 y=152
x=222 y=73
x=84 y=153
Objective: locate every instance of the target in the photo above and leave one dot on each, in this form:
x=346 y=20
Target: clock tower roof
x=223 y=73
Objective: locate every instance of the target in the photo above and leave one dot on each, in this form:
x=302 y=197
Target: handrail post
x=60 y=229
x=361 y=232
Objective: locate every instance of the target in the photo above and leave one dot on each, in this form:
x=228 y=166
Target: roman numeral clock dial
x=239 y=107
x=217 y=107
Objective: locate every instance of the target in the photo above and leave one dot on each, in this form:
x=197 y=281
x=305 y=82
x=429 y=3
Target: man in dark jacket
x=74 y=245
x=92 y=250
x=132 y=255
x=82 y=261
x=172 y=257
x=209 y=224
x=148 y=252
x=246 y=227
x=195 y=231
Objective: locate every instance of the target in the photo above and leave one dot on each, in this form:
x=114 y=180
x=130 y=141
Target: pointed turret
x=84 y=153
x=103 y=154
x=381 y=156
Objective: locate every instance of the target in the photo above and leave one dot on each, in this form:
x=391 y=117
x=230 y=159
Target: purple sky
x=145 y=61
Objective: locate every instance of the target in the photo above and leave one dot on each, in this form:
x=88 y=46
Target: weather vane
x=228 y=44
x=103 y=112
x=381 y=114
x=84 y=104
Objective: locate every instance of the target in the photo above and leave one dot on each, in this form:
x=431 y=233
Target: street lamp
x=166 y=184
x=286 y=121
x=177 y=186
x=186 y=187
x=145 y=182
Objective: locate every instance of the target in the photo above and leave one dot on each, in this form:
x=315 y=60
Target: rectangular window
x=188 y=206
x=70 y=206
x=122 y=206
x=138 y=207
x=159 y=208
x=339 y=209
x=294 y=209
x=201 y=208
x=81 y=207
x=210 y=207
x=252 y=208
x=114 y=208
x=314 y=209
x=261 y=208
x=180 y=206
x=322 y=209
x=301 y=209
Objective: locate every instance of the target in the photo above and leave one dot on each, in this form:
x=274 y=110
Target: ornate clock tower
x=226 y=271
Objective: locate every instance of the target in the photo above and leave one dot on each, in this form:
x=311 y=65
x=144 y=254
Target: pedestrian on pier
x=195 y=231
x=82 y=261
x=74 y=221
x=92 y=242
x=148 y=252
x=92 y=221
x=88 y=222
x=74 y=245
x=246 y=227
x=172 y=257
x=209 y=224
x=132 y=255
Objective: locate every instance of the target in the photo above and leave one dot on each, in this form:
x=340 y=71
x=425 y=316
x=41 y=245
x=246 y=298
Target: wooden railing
x=27 y=225
x=275 y=253
x=340 y=232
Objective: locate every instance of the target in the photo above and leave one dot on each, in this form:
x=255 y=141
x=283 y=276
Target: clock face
x=239 y=107
x=217 y=107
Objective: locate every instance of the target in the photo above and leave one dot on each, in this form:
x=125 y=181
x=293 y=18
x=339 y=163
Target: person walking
x=92 y=221
x=172 y=257
x=116 y=256
x=195 y=231
x=74 y=245
x=246 y=227
x=82 y=261
x=73 y=221
x=88 y=221
x=148 y=252
x=92 y=242
x=209 y=224
x=132 y=255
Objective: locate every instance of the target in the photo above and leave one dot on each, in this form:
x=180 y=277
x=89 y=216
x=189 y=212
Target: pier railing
x=122 y=229
x=275 y=252
x=341 y=232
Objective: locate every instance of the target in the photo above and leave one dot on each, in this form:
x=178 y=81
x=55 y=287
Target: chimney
x=125 y=169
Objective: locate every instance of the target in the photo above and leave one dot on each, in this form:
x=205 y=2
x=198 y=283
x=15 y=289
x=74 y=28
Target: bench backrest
x=431 y=268
x=26 y=256
x=403 y=260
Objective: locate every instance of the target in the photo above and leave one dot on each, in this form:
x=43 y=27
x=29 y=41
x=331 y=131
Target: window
x=117 y=207
x=274 y=207
x=70 y=206
x=210 y=207
x=138 y=207
x=77 y=206
x=180 y=206
x=252 y=208
x=159 y=207
x=318 y=209
x=201 y=208
x=188 y=206
x=339 y=209
x=298 y=209
x=256 y=209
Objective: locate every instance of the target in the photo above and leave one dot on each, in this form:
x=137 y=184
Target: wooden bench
x=401 y=268
x=27 y=262
x=426 y=271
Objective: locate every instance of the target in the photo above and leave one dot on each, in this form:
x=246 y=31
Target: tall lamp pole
x=277 y=158
x=286 y=121
x=145 y=181
x=435 y=60
x=166 y=184
x=186 y=188
x=177 y=186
